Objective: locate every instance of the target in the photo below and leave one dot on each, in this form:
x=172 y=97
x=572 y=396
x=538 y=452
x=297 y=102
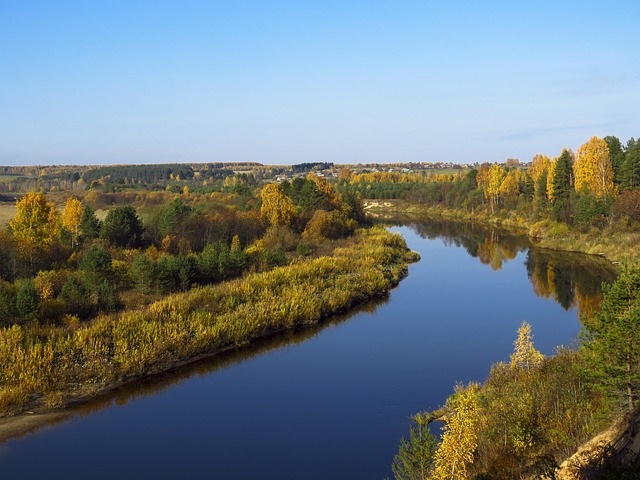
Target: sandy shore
x=15 y=427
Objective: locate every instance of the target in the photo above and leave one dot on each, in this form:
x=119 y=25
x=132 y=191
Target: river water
x=331 y=402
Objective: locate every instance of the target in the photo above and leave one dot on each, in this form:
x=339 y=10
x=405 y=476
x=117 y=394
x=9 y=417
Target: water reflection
x=571 y=279
x=205 y=366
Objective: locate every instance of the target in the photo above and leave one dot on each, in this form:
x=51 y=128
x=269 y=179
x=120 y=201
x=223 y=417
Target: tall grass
x=48 y=365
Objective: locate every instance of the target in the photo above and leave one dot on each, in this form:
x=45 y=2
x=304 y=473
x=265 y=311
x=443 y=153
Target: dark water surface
x=329 y=403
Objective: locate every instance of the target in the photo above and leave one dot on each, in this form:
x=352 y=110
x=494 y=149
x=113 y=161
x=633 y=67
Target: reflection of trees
x=491 y=246
x=571 y=279
x=203 y=366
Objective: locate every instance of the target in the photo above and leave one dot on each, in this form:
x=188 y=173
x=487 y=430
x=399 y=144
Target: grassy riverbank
x=50 y=366
x=615 y=241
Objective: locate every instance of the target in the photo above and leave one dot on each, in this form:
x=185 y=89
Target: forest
x=588 y=189
x=533 y=412
x=88 y=303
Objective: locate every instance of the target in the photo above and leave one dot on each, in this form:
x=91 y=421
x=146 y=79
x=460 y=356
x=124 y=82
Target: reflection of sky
x=333 y=406
x=288 y=82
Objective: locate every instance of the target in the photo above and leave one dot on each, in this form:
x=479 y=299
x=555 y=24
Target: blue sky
x=299 y=81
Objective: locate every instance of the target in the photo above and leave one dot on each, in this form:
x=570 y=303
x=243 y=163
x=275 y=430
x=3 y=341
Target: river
x=331 y=402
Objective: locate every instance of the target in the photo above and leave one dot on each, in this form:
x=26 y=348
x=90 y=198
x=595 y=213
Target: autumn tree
x=34 y=226
x=539 y=164
x=326 y=189
x=592 y=168
x=510 y=187
x=525 y=356
x=277 y=209
x=71 y=218
x=460 y=437
x=490 y=180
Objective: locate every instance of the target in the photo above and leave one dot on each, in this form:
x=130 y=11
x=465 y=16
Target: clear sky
x=346 y=81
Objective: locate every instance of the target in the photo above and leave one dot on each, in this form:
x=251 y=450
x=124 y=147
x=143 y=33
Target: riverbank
x=46 y=373
x=613 y=242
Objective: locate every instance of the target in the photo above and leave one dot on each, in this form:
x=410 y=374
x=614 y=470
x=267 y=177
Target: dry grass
x=7 y=212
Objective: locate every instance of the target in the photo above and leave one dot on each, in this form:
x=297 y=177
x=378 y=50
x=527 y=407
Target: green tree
x=122 y=227
x=630 y=172
x=612 y=337
x=562 y=187
x=173 y=217
x=89 y=223
x=414 y=460
x=617 y=156
x=27 y=301
x=108 y=297
x=96 y=266
x=76 y=296
x=7 y=305
x=142 y=273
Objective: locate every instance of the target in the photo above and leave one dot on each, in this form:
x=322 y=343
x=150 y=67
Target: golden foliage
x=525 y=356
x=592 y=168
x=539 y=163
x=35 y=223
x=37 y=362
x=277 y=209
x=460 y=437
x=71 y=217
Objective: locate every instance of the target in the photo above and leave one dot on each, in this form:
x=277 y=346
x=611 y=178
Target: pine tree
x=562 y=187
x=414 y=460
x=612 y=337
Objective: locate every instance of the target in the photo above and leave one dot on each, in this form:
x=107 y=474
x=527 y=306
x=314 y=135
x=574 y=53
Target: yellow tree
x=460 y=437
x=71 y=218
x=34 y=225
x=592 y=168
x=491 y=183
x=277 y=208
x=326 y=189
x=539 y=163
x=550 y=174
x=509 y=188
x=525 y=356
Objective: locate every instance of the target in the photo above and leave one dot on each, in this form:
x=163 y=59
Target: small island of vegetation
x=87 y=304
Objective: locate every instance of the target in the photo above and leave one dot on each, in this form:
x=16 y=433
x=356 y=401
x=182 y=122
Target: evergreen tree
x=96 y=266
x=122 y=227
x=414 y=460
x=75 y=296
x=89 y=223
x=27 y=301
x=631 y=167
x=562 y=187
x=617 y=155
x=612 y=338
